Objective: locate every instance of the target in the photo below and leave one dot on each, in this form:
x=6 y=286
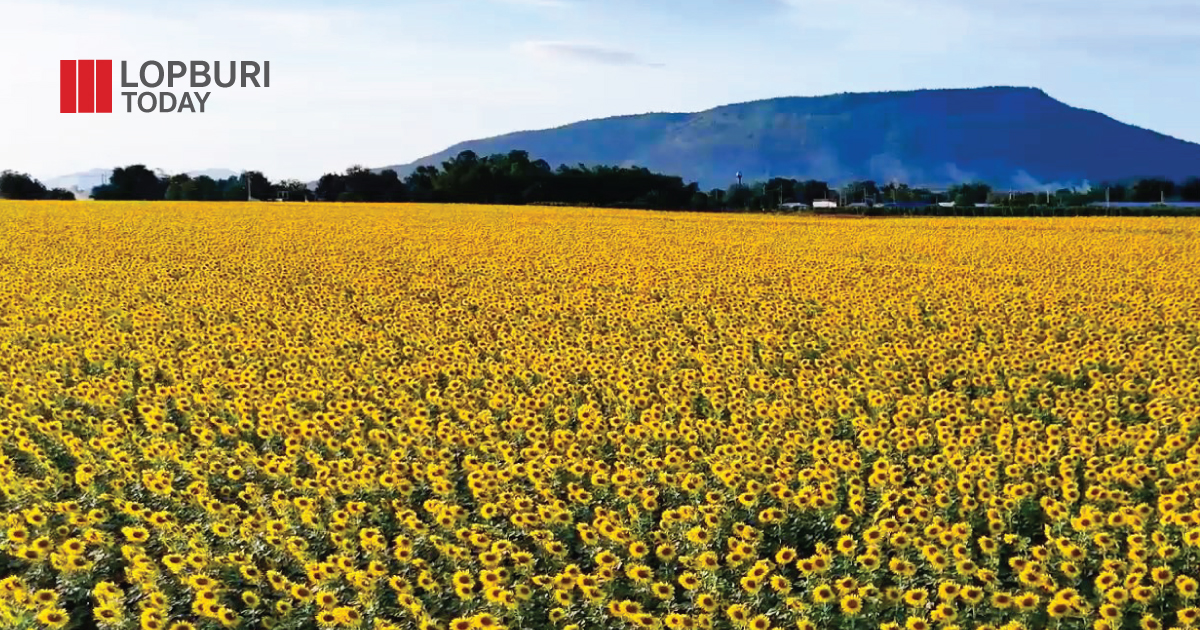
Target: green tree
x=204 y=188
x=738 y=197
x=812 y=190
x=331 y=186
x=967 y=195
x=233 y=191
x=1153 y=189
x=260 y=186
x=857 y=192
x=134 y=182
x=1190 y=190
x=180 y=187
x=14 y=185
x=295 y=190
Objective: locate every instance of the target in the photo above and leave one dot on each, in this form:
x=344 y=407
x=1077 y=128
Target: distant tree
x=421 y=183
x=260 y=186
x=1153 y=189
x=965 y=195
x=204 y=188
x=1112 y=192
x=232 y=189
x=738 y=197
x=14 y=185
x=60 y=194
x=135 y=182
x=331 y=186
x=296 y=190
x=896 y=192
x=358 y=183
x=779 y=190
x=389 y=187
x=1190 y=190
x=812 y=190
x=862 y=191
x=180 y=187
x=923 y=195
x=1019 y=200
x=716 y=199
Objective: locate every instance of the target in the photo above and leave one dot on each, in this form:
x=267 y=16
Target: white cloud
x=584 y=52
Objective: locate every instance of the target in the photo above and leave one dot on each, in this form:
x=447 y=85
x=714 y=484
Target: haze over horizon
x=370 y=83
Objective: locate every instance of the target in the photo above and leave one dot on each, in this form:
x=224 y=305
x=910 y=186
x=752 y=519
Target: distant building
x=795 y=205
x=825 y=203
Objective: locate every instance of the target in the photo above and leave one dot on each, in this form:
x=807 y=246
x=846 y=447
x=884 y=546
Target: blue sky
x=379 y=83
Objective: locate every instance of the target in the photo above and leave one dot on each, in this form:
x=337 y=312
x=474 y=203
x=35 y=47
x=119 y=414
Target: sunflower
x=105 y=615
x=916 y=623
x=53 y=618
x=916 y=597
x=738 y=614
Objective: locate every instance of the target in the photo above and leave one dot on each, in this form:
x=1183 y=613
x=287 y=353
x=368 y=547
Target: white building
x=824 y=203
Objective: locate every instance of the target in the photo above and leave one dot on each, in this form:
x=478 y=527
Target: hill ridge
x=1008 y=136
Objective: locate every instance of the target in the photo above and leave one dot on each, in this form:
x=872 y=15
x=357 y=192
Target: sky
x=381 y=83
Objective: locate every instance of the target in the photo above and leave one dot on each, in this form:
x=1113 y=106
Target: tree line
x=516 y=178
x=14 y=185
x=512 y=178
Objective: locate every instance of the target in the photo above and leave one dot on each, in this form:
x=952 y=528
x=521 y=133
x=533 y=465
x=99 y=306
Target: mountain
x=1010 y=137
x=87 y=180
x=215 y=173
x=84 y=181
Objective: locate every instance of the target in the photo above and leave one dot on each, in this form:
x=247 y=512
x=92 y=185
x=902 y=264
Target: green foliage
x=135 y=182
x=14 y=185
x=1190 y=190
x=967 y=195
x=1153 y=189
x=515 y=178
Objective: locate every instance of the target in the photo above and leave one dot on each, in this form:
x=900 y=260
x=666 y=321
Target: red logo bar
x=66 y=86
x=87 y=86
x=104 y=86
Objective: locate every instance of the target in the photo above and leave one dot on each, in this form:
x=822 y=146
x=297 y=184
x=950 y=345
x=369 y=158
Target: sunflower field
x=454 y=417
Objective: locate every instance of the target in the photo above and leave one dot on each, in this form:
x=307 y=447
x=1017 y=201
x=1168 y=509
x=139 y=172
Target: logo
x=86 y=85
